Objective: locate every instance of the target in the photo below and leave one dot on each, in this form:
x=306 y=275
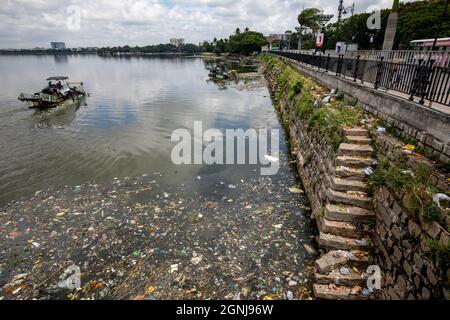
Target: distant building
x=344 y=47
x=273 y=36
x=58 y=45
x=177 y=41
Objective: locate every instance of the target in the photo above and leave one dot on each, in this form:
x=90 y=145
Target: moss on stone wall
x=325 y=117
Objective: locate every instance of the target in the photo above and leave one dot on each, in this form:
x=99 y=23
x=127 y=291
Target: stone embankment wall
x=412 y=268
x=401 y=243
x=337 y=194
x=314 y=156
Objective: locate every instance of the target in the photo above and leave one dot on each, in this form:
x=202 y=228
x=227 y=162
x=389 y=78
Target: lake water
x=95 y=186
x=125 y=127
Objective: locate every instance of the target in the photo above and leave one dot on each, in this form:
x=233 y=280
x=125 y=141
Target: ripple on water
x=125 y=127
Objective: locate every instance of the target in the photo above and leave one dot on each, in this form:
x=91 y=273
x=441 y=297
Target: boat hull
x=62 y=103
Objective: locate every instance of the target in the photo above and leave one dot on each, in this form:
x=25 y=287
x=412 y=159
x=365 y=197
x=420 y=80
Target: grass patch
x=303 y=91
x=439 y=253
x=406 y=139
x=397 y=176
x=431 y=213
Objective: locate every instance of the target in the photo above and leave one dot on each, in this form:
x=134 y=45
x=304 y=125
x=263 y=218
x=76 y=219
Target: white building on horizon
x=58 y=45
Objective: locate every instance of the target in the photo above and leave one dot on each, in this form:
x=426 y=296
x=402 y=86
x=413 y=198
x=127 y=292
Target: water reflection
x=61 y=58
x=135 y=103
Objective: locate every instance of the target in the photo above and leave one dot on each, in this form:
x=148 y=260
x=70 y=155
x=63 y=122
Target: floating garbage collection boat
x=218 y=72
x=62 y=92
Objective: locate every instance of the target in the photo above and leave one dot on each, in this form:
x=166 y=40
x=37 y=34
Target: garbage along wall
x=411 y=251
x=409 y=244
x=431 y=128
x=319 y=150
x=314 y=157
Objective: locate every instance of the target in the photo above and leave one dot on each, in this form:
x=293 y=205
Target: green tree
x=354 y=29
x=246 y=43
x=308 y=18
x=207 y=47
x=420 y=20
x=417 y=20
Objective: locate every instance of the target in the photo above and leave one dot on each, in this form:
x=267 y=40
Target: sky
x=97 y=23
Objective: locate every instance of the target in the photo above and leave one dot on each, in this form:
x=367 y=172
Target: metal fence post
x=425 y=81
x=355 y=74
x=343 y=69
x=328 y=63
x=415 y=82
x=379 y=71
x=339 y=65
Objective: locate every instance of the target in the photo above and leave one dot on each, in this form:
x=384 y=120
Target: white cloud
x=30 y=23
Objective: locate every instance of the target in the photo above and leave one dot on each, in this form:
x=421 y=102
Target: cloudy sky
x=31 y=23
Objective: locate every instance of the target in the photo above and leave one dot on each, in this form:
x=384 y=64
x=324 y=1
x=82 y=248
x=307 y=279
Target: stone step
x=345 y=184
x=344 y=229
x=322 y=291
x=342 y=243
x=353 y=162
x=351 y=173
x=343 y=276
x=355 y=198
x=348 y=213
x=337 y=258
x=362 y=140
x=358 y=131
x=349 y=149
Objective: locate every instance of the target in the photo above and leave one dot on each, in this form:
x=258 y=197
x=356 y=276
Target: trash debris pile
x=133 y=239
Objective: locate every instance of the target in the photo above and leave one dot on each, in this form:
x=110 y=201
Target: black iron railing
x=422 y=80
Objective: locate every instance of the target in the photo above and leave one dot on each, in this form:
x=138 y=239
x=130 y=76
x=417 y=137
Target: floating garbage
x=134 y=239
x=356 y=290
x=367 y=291
x=318 y=103
x=289 y=295
x=381 y=130
x=196 y=260
x=173 y=268
x=408 y=172
x=344 y=271
x=342 y=169
x=310 y=249
x=150 y=289
x=368 y=171
x=362 y=242
x=295 y=190
x=327 y=99
x=270 y=158
x=442 y=200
